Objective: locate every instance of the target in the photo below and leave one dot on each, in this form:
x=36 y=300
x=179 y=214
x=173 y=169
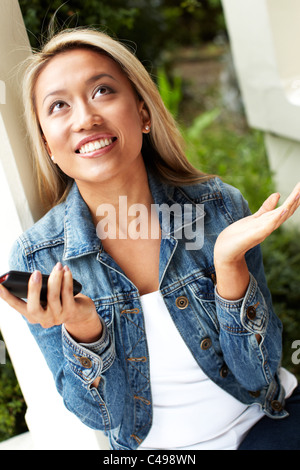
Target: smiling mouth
x=95 y=145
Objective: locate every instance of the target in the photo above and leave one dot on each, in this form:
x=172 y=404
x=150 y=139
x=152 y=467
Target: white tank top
x=190 y=412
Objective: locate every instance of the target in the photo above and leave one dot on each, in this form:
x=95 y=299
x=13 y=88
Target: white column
x=51 y=425
x=265 y=38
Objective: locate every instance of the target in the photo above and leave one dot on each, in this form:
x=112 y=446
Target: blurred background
x=185 y=47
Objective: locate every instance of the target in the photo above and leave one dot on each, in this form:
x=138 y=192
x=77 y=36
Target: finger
x=13 y=301
x=293 y=200
x=67 y=287
x=288 y=208
x=34 y=293
x=268 y=205
x=54 y=288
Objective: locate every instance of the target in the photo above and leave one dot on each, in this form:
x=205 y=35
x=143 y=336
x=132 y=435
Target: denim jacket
x=219 y=333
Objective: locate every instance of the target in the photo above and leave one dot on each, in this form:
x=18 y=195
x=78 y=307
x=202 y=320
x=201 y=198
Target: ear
x=47 y=146
x=145 y=117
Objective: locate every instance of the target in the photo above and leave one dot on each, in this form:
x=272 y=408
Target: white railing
x=50 y=424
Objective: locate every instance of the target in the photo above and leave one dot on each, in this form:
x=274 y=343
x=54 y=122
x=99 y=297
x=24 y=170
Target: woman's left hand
x=238 y=238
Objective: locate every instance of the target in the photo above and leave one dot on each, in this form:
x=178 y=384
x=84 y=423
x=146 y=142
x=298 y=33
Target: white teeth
x=97 y=144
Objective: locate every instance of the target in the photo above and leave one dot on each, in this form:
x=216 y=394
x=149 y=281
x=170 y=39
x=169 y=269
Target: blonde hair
x=163 y=148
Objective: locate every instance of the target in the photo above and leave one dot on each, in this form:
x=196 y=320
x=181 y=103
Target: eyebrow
x=88 y=82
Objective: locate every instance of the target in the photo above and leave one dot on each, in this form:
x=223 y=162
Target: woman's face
x=91 y=119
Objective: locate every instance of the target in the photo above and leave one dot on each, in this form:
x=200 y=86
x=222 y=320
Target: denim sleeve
x=75 y=366
x=253 y=363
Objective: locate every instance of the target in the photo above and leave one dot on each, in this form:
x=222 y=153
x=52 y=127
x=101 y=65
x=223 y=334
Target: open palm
x=241 y=236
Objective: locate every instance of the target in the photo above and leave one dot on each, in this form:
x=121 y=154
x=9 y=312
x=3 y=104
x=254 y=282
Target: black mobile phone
x=16 y=282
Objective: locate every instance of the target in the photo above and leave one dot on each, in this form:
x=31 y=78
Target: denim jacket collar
x=170 y=199
x=80 y=234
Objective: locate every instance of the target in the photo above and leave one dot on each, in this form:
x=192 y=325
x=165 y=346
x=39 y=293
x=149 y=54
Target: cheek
x=129 y=113
x=131 y=125
x=55 y=137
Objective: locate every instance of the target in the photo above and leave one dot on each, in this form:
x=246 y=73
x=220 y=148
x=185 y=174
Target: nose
x=85 y=117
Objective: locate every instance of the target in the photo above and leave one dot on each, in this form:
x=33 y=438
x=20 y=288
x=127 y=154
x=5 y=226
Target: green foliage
x=239 y=158
x=200 y=123
x=195 y=20
x=112 y=15
x=153 y=25
x=170 y=93
x=12 y=405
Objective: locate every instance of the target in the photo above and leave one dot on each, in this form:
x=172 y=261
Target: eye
x=57 y=106
x=102 y=90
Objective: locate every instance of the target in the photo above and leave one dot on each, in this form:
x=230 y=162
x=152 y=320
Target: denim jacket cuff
x=101 y=344
x=246 y=315
x=88 y=361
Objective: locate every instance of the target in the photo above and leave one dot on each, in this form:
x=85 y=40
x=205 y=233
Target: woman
x=170 y=345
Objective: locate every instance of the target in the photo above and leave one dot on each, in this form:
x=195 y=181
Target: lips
x=93 y=143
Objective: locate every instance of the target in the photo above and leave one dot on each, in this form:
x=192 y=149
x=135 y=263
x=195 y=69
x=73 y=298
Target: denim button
x=181 y=302
x=224 y=372
x=276 y=405
x=85 y=362
x=206 y=344
x=254 y=394
x=251 y=312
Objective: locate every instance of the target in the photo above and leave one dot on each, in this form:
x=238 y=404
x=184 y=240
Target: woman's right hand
x=78 y=313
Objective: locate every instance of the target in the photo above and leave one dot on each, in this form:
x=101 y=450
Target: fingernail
x=36 y=276
x=297 y=197
x=58 y=266
x=66 y=268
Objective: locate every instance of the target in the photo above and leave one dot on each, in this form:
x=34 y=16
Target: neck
x=130 y=186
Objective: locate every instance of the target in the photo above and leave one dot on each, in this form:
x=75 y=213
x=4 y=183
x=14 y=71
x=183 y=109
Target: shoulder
x=47 y=232
x=218 y=193
x=48 y=228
